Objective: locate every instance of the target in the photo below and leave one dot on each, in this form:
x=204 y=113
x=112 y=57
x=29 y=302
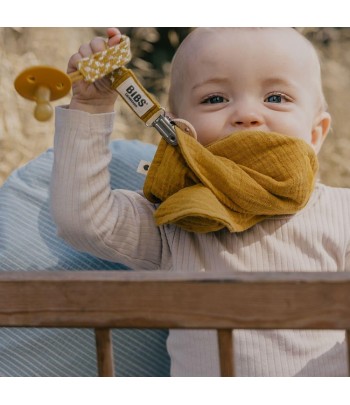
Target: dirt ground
x=22 y=138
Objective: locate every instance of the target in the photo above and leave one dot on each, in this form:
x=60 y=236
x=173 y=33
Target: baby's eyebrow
x=212 y=80
x=280 y=81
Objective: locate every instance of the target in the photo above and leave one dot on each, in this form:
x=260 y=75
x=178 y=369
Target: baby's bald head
x=186 y=60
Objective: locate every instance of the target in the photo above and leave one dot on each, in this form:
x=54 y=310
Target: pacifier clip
x=43 y=84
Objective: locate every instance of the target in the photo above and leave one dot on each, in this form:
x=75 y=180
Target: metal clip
x=163 y=125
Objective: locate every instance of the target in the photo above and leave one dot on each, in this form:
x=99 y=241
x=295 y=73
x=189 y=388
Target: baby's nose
x=245 y=115
x=248 y=120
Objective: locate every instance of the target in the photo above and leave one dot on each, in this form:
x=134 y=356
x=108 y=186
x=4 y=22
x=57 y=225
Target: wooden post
x=347 y=339
x=104 y=352
x=226 y=352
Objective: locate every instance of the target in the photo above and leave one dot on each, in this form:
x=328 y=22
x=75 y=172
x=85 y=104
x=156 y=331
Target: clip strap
x=111 y=61
x=143 y=103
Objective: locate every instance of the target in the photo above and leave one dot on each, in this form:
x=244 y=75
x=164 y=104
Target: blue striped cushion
x=28 y=242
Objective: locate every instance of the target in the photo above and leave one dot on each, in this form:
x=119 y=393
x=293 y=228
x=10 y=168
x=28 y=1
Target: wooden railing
x=104 y=300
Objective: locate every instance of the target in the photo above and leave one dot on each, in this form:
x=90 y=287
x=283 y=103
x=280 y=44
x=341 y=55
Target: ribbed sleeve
x=113 y=225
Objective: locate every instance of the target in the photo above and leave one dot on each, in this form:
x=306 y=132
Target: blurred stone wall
x=334 y=51
x=22 y=138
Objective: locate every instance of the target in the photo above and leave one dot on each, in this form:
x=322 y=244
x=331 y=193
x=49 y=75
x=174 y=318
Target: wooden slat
x=348 y=349
x=104 y=352
x=226 y=352
x=164 y=300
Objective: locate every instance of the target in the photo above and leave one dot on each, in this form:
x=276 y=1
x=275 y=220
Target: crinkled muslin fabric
x=235 y=182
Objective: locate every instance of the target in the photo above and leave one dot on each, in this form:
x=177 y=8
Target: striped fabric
x=28 y=242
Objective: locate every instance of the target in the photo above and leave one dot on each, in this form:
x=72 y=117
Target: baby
x=245 y=94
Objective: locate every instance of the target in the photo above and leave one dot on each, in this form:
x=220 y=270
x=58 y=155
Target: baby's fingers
x=73 y=62
x=83 y=52
x=98 y=44
x=114 y=36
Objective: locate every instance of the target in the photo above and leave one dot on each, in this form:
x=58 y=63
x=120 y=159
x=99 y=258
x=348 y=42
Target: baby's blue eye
x=214 y=100
x=274 y=98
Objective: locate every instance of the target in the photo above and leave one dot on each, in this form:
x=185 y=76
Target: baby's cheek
x=206 y=131
x=204 y=136
x=297 y=128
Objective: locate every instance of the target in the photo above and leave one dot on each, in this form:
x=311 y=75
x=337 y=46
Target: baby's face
x=240 y=79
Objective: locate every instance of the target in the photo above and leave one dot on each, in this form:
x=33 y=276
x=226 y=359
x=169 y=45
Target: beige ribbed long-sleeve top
x=118 y=225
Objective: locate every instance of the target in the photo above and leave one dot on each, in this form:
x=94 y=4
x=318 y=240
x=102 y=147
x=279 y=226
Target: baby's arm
x=116 y=225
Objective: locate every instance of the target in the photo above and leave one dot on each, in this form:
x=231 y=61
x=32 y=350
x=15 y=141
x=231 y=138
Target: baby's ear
x=320 y=130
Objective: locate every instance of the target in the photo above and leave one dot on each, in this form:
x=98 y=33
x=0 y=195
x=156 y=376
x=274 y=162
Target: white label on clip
x=134 y=96
x=143 y=167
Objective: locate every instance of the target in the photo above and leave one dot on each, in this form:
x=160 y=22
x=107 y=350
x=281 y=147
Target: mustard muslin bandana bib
x=235 y=182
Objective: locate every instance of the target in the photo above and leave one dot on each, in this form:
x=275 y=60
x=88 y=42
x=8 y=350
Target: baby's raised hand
x=97 y=97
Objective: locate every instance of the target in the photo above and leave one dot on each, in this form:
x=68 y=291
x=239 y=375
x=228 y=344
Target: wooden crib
x=104 y=300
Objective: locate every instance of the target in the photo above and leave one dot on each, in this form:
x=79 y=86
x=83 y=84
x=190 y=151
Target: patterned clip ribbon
x=111 y=62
